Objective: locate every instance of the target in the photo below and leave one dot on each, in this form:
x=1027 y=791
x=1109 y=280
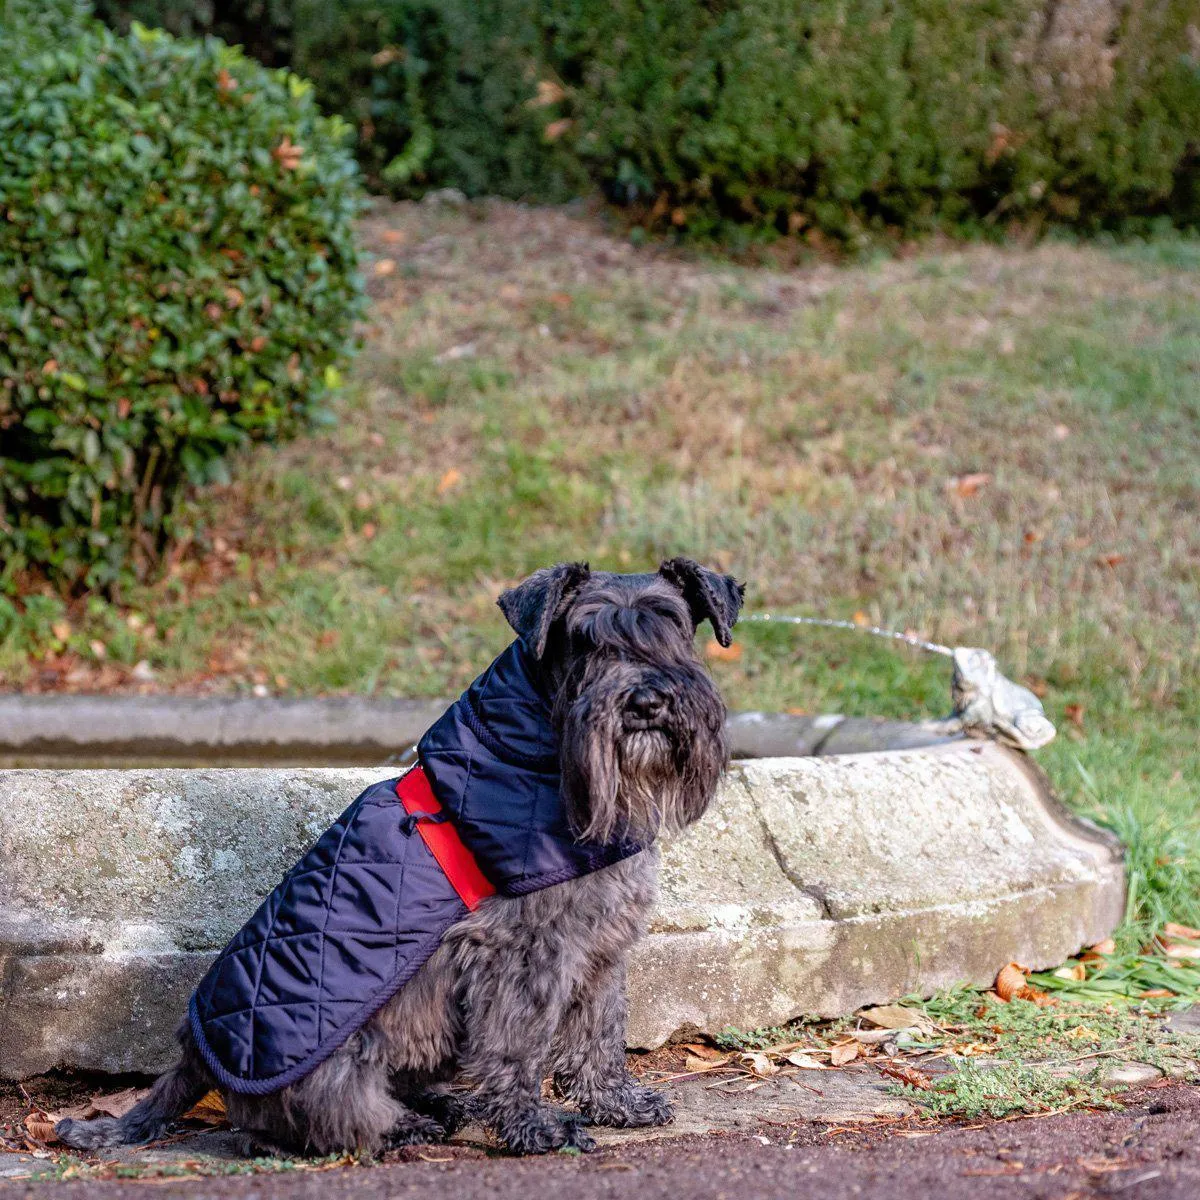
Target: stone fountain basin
x=814 y=885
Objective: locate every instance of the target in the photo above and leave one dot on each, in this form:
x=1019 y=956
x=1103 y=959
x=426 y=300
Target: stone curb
x=814 y=885
x=124 y=731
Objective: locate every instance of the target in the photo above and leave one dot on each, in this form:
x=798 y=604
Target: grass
x=532 y=389
x=1021 y=1057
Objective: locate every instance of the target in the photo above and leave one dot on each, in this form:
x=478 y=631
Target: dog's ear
x=717 y=598
x=534 y=604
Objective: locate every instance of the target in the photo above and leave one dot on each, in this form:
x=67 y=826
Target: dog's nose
x=646 y=704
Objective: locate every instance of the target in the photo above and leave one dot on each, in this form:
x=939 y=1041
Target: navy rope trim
x=506 y=754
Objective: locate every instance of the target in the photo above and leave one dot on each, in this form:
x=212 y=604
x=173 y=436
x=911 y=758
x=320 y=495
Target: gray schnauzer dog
x=531 y=985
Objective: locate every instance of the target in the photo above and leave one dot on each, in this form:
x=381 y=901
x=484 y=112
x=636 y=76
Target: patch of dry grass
x=991 y=445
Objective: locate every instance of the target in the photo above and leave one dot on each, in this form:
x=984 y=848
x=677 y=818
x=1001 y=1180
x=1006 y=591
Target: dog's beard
x=636 y=783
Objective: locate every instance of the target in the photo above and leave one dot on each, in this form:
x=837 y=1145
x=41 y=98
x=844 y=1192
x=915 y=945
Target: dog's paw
x=542 y=1130
x=631 y=1106
x=449 y=1111
x=415 y=1131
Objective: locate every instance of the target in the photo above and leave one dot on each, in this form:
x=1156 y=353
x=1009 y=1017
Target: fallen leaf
x=968 y=485
x=692 y=1063
x=760 y=1064
x=234 y=297
x=872 y=1037
x=1074 y=714
x=1107 y=946
x=1076 y=971
x=61 y=630
x=394 y=237
x=895 y=1016
x=40 y=1126
x=719 y=653
x=117 y=1104
x=1037 y=996
x=451 y=479
x=1156 y=994
x=1172 y=929
x=1110 y=560
x=210 y=1109
x=1181 y=950
x=970 y=1049
x=805 y=1062
x=906 y=1074
x=843 y=1053
x=225 y=81
x=384 y=267
x=860 y=619
x=1010 y=979
x=700 y=1050
x=50 y=366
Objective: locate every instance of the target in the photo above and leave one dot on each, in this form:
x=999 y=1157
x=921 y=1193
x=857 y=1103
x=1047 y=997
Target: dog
x=530 y=983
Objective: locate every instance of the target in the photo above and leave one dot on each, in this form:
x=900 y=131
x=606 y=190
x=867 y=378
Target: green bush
x=850 y=116
x=27 y=26
x=438 y=91
x=842 y=118
x=177 y=279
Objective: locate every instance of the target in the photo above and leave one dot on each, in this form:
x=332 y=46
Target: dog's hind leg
x=589 y=1055
x=346 y=1104
x=170 y=1097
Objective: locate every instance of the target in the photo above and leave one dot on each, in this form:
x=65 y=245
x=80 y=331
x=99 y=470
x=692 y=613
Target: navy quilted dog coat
x=356 y=917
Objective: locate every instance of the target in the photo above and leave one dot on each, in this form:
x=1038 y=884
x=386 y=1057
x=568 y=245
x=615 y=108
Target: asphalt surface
x=1149 y=1151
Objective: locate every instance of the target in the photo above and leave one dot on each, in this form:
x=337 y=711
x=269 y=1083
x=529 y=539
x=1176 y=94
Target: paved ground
x=1147 y=1152
x=841 y=1135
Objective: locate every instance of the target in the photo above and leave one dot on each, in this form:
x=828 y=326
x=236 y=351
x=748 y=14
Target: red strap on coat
x=443 y=841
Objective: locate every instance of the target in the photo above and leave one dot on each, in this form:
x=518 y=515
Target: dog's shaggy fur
x=526 y=986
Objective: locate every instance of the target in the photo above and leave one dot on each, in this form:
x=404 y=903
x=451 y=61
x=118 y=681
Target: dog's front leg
x=590 y=1056
x=512 y=1014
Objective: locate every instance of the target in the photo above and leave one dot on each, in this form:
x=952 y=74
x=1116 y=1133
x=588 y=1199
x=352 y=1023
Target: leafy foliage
x=834 y=118
x=177 y=278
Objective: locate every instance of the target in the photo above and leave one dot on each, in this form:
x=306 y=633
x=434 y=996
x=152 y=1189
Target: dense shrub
x=438 y=91
x=840 y=116
x=177 y=278
x=849 y=115
x=27 y=26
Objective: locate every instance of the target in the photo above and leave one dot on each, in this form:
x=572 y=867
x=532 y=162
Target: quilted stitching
x=492 y=762
x=345 y=928
x=354 y=920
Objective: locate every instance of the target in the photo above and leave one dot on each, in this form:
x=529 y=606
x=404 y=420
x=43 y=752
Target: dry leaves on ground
x=39 y=1124
x=1011 y=985
x=896 y=1016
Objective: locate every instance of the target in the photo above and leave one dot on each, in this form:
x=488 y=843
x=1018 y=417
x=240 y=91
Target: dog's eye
x=668 y=612
x=581 y=641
